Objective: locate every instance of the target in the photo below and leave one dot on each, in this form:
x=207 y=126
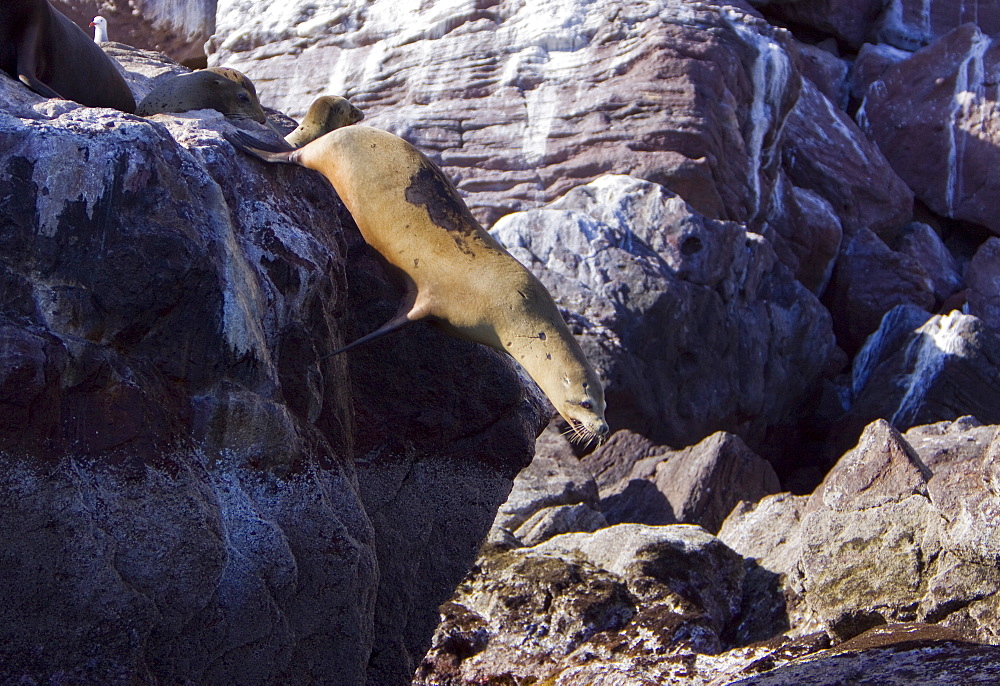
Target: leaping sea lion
x=326 y=114
x=55 y=58
x=457 y=275
x=220 y=88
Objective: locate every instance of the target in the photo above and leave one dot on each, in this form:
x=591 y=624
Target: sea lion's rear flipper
x=269 y=152
x=29 y=80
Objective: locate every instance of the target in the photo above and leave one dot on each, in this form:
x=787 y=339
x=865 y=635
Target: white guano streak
x=541 y=106
x=939 y=338
x=969 y=90
x=770 y=78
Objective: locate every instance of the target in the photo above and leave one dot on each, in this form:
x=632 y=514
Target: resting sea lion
x=55 y=58
x=326 y=114
x=220 y=88
x=457 y=275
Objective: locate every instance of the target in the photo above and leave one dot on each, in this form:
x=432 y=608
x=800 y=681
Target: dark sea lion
x=56 y=58
x=220 y=88
x=326 y=114
x=457 y=275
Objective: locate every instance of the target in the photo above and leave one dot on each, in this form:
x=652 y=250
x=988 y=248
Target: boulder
x=923 y=244
x=869 y=280
x=695 y=323
x=945 y=368
x=984 y=286
x=698 y=485
x=851 y=22
x=627 y=594
x=932 y=116
x=826 y=153
x=521 y=102
x=555 y=478
x=912 y=24
x=903 y=24
x=892 y=534
x=896 y=655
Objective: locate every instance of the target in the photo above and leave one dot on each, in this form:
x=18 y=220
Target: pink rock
x=868 y=281
x=691 y=96
x=983 y=277
x=849 y=20
x=934 y=117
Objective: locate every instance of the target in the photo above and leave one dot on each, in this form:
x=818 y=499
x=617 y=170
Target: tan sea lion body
x=56 y=58
x=326 y=114
x=220 y=88
x=458 y=275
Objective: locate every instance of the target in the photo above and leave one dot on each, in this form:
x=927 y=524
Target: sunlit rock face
x=696 y=323
x=521 y=102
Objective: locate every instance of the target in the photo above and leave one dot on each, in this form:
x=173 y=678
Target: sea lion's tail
x=269 y=152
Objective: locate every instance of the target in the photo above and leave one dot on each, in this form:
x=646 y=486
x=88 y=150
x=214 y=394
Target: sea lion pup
x=219 y=88
x=457 y=275
x=55 y=58
x=326 y=114
x=100 y=26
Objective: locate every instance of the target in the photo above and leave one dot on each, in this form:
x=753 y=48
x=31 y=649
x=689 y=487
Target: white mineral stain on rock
x=969 y=91
x=941 y=337
x=81 y=174
x=770 y=73
x=542 y=105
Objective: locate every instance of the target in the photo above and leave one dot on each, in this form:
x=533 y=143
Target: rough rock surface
x=692 y=312
x=549 y=611
x=695 y=323
x=553 y=495
x=920 y=369
x=895 y=533
x=904 y=24
x=869 y=280
x=191 y=492
x=984 y=286
x=696 y=485
x=934 y=116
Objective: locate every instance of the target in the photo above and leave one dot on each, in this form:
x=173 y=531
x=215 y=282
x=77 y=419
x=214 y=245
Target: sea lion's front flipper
x=27 y=60
x=411 y=310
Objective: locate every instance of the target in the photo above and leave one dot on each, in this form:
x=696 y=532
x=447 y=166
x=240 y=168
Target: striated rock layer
x=521 y=102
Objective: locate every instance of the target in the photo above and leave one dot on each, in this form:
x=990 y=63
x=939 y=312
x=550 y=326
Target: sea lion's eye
x=586 y=404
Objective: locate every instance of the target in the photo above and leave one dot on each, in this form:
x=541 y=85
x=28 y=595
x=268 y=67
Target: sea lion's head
x=582 y=406
x=330 y=112
x=238 y=100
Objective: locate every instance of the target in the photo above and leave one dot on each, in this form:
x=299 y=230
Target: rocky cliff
x=771 y=225
x=192 y=491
